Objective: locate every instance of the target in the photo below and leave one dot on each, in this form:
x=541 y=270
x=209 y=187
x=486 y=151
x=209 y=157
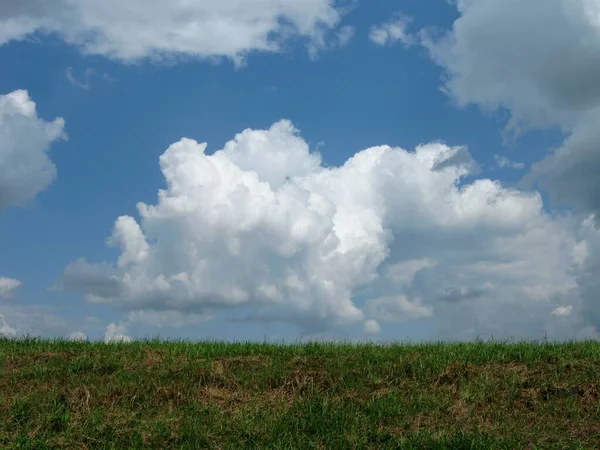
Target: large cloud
x=540 y=60
x=588 y=275
x=570 y=173
x=154 y=28
x=261 y=225
x=25 y=169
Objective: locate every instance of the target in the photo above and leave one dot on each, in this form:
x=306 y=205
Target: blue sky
x=124 y=112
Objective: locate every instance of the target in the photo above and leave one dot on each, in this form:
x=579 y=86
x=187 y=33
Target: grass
x=216 y=395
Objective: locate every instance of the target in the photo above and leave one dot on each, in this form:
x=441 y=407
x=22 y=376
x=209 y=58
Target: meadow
x=57 y=394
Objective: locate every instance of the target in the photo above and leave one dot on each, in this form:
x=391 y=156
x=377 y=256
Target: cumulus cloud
x=540 y=61
x=391 y=235
x=140 y=28
x=389 y=33
x=78 y=336
x=7 y=287
x=371 y=326
x=116 y=333
x=587 y=257
x=25 y=169
x=507 y=54
x=570 y=173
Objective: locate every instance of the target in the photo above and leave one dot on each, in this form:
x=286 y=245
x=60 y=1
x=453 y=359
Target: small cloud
x=82 y=84
x=116 y=333
x=503 y=162
x=324 y=42
x=562 y=310
x=5 y=329
x=78 y=336
x=391 y=32
x=344 y=36
x=371 y=326
x=8 y=286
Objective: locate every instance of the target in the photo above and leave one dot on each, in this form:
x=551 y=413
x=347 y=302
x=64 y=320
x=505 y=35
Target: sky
x=388 y=170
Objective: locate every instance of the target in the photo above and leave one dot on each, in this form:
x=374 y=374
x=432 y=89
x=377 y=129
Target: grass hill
x=215 y=395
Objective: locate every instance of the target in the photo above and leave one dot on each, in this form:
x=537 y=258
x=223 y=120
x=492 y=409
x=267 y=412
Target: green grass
x=153 y=394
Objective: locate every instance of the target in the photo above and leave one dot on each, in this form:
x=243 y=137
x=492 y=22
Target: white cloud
x=322 y=42
x=153 y=28
x=8 y=286
x=371 y=327
x=116 y=333
x=508 y=53
x=587 y=257
x=391 y=32
x=82 y=84
x=25 y=169
x=563 y=310
x=503 y=162
x=345 y=35
x=261 y=226
x=78 y=336
x=5 y=329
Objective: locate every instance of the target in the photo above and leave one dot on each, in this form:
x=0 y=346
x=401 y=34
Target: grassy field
x=163 y=395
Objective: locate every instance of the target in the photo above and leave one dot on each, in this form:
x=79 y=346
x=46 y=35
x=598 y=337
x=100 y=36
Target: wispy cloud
x=503 y=162
x=84 y=82
x=389 y=33
x=344 y=36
